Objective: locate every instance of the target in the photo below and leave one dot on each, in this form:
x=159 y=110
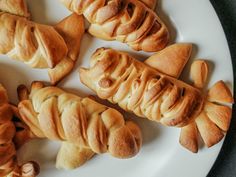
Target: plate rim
x=217 y=165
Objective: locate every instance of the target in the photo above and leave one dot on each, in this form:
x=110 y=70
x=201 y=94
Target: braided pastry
x=8 y=162
x=128 y=21
x=38 y=46
x=70 y=156
x=140 y=89
x=41 y=46
x=17 y=7
x=55 y=114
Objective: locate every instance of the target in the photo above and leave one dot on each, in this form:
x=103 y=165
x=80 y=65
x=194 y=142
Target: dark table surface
x=225 y=165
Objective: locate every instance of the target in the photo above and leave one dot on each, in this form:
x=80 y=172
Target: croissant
x=41 y=46
x=55 y=114
x=8 y=162
x=148 y=93
x=128 y=21
x=17 y=7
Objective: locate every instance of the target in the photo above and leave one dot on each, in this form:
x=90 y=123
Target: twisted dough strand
x=128 y=21
x=17 y=7
x=121 y=79
x=36 y=45
x=51 y=112
x=41 y=46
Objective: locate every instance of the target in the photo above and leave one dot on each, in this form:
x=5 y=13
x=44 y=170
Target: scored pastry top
x=128 y=21
x=136 y=87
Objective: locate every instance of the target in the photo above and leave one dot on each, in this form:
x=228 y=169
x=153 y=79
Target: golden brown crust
x=219 y=114
x=23 y=134
x=7 y=132
x=3 y=95
x=116 y=141
x=72 y=30
x=189 y=137
x=8 y=161
x=42 y=46
x=127 y=21
x=219 y=92
x=209 y=132
x=36 y=45
x=199 y=73
x=171 y=60
x=16 y=7
x=138 y=88
x=71 y=156
x=214 y=119
x=51 y=112
x=150 y=3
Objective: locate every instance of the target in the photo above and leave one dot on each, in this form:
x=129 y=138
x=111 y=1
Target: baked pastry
x=174 y=56
x=72 y=30
x=38 y=46
x=148 y=93
x=71 y=156
x=26 y=41
x=8 y=161
x=138 y=88
x=128 y=21
x=150 y=3
x=52 y=113
x=41 y=46
x=215 y=118
x=17 y=7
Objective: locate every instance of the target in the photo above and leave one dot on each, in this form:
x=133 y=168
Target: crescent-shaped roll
x=52 y=113
x=127 y=21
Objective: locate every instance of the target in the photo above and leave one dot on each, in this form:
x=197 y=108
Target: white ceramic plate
x=161 y=155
